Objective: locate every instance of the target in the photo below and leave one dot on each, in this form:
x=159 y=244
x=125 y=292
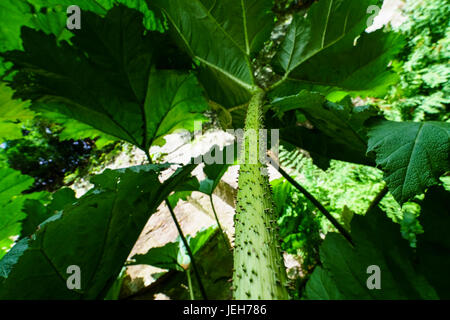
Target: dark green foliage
x=283 y=7
x=405 y=274
x=339 y=130
x=12 y=184
x=13 y=113
x=140 y=110
x=122 y=78
x=305 y=55
x=37 y=212
x=240 y=27
x=117 y=210
x=322 y=287
x=433 y=246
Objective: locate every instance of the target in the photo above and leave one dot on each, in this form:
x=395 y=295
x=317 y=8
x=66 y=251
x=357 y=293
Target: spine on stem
x=258 y=262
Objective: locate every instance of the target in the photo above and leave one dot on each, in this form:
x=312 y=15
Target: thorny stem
x=259 y=271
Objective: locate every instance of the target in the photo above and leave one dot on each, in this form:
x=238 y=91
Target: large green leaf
x=221 y=35
x=108 y=78
x=17 y=13
x=96 y=233
x=321 y=147
x=12 y=113
x=50 y=16
x=11 y=258
x=339 y=131
x=319 y=53
x=97 y=6
x=101 y=7
x=433 y=246
x=13 y=15
x=326 y=23
x=12 y=184
x=360 y=70
x=223 y=90
x=347 y=266
x=412 y=155
x=405 y=273
x=322 y=287
x=37 y=212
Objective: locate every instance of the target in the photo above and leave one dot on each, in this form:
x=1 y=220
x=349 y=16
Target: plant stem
x=258 y=262
x=191 y=289
x=183 y=238
x=378 y=198
x=149 y=158
x=278 y=83
x=316 y=203
x=218 y=222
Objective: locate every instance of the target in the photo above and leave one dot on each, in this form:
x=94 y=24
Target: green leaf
x=50 y=16
x=108 y=78
x=321 y=286
x=37 y=212
x=12 y=184
x=319 y=53
x=215 y=171
x=174 y=102
x=222 y=90
x=412 y=155
x=12 y=113
x=18 y=13
x=11 y=258
x=97 y=6
x=97 y=234
x=221 y=35
x=164 y=257
x=339 y=130
x=360 y=70
x=327 y=23
x=183 y=191
x=201 y=237
x=347 y=265
x=433 y=246
x=73 y=129
x=321 y=147
x=173 y=255
x=405 y=273
x=221 y=161
x=281 y=190
x=13 y=14
x=101 y=7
